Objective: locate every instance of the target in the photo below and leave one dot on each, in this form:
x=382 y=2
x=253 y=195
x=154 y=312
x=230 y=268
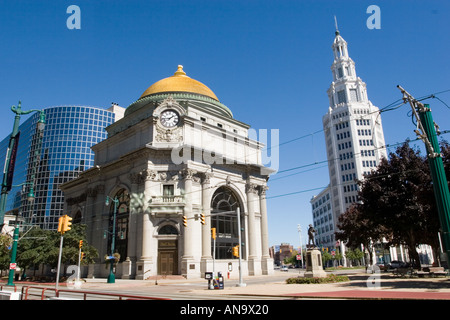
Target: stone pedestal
x=314 y=268
x=144 y=268
x=126 y=269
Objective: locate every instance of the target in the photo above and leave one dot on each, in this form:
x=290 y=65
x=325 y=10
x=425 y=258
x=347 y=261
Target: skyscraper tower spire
x=354 y=142
x=336 y=25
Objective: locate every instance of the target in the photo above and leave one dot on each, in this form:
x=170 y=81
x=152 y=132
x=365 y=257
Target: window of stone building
x=168 y=190
x=225 y=200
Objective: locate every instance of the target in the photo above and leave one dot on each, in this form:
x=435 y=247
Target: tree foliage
x=42 y=247
x=396 y=203
x=5 y=253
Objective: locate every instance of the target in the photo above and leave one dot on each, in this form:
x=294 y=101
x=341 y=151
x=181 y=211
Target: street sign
x=299 y=257
x=333 y=253
x=12 y=266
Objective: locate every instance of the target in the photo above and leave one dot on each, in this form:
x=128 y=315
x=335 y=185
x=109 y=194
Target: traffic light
x=82 y=256
x=185 y=221
x=202 y=218
x=81 y=244
x=236 y=251
x=60 y=224
x=67 y=223
x=64 y=224
x=213 y=233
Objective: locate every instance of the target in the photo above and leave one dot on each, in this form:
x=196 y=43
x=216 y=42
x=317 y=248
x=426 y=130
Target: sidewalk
x=360 y=286
x=388 y=287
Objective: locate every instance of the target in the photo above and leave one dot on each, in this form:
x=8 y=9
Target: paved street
x=273 y=287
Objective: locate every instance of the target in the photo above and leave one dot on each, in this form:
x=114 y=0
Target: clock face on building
x=169 y=118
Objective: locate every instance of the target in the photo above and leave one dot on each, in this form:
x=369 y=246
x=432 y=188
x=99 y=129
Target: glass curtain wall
x=69 y=133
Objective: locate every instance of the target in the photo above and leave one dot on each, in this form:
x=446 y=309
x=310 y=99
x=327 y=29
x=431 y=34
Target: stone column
x=145 y=264
x=206 y=260
x=266 y=261
x=251 y=192
x=135 y=209
x=89 y=215
x=102 y=218
x=188 y=266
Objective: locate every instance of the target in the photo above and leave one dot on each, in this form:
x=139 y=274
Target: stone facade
x=161 y=175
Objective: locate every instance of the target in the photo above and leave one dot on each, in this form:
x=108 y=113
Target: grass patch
x=331 y=278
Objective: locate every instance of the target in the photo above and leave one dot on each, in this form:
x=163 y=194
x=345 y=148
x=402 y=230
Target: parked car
x=397 y=264
x=382 y=266
x=284 y=268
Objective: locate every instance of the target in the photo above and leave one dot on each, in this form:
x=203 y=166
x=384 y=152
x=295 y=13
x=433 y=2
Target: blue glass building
x=65 y=151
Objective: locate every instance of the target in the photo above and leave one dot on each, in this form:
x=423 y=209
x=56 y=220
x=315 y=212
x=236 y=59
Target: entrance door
x=167 y=257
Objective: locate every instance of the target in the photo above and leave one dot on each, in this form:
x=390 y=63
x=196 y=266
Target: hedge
x=331 y=278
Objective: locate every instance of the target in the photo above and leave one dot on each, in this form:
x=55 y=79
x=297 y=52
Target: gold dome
x=179 y=82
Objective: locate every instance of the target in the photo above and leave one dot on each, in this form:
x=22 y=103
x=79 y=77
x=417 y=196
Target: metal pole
x=13 y=255
x=111 y=277
x=79 y=263
x=301 y=249
x=440 y=187
x=59 y=261
x=214 y=257
x=4 y=187
x=238 y=215
x=439 y=178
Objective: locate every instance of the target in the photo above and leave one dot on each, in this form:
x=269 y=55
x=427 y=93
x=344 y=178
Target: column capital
x=206 y=177
x=251 y=188
x=149 y=174
x=262 y=190
x=187 y=173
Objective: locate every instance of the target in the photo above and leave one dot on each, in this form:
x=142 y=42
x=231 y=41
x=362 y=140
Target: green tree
x=326 y=256
x=42 y=247
x=397 y=203
x=292 y=259
x=5 y=253
x=354 y=255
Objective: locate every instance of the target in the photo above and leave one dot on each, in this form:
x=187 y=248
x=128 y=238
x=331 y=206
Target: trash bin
x=219 y=281
x=209 y=277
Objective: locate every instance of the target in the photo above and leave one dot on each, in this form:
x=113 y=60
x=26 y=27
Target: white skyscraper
x=354 y=141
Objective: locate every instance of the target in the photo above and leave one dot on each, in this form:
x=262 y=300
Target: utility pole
x=299 y=228
x=426 y=131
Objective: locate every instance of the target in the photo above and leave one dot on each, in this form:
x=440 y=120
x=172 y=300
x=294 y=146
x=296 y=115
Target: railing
x=9 y=287
x=167 y=199
x=56 y=293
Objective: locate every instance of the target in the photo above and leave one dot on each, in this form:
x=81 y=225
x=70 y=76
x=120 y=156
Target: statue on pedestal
x=311 y=232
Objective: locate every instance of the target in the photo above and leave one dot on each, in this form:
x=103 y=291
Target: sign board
x=208 y=275
x=299 y=257
x=12 y=266
x=333 y=253
x=12 y=161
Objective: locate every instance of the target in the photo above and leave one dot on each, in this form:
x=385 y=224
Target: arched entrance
x=224 y=200
x=168 y=250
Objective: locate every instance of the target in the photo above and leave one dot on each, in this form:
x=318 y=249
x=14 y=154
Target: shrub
x=331 y=278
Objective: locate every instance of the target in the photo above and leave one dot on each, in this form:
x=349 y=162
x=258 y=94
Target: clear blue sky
x=268 y=61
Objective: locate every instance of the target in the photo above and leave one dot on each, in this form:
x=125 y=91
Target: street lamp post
x=111 y=277
x=7 y=180
x=299 y=228
x=12 y=264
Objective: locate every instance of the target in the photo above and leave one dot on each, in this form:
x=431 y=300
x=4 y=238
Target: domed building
x=174 y=168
